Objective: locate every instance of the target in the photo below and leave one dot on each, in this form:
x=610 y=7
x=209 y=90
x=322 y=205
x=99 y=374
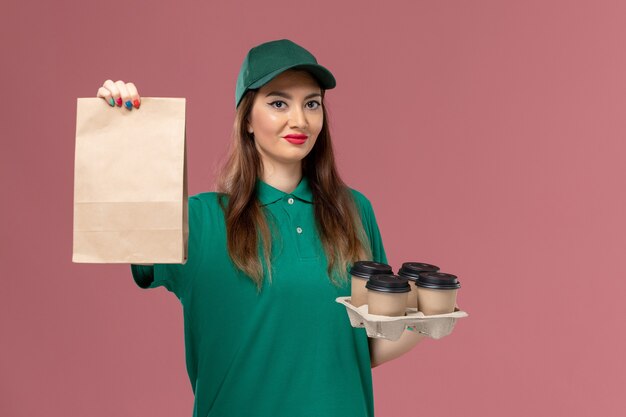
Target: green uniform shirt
x=287 y=351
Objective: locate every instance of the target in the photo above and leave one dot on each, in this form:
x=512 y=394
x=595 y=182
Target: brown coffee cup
x=361 y=271
x=436 y=292
x=387 y=295
x=411 y=271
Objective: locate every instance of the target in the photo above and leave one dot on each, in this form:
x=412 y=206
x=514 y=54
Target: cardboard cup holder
x=391 y=328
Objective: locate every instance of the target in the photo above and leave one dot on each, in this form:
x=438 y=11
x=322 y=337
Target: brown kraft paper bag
x=130 y=182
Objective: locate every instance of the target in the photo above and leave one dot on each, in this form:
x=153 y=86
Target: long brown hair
x=337 y=217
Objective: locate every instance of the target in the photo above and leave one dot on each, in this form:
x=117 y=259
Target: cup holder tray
x=391 y=328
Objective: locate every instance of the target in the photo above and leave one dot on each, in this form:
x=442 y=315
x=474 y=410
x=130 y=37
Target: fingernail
x=128 y=105
x=119 y=102
x=136 y=103
x=111 y=101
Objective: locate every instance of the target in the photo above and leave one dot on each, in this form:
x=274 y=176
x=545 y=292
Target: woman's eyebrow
x=287 y=96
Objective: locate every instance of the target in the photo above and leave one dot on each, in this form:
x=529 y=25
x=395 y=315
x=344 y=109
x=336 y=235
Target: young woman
x=269 y=254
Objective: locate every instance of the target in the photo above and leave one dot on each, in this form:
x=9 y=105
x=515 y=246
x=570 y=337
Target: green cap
x=266 y=61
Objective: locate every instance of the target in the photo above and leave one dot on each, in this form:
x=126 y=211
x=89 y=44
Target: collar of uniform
x=268 y=194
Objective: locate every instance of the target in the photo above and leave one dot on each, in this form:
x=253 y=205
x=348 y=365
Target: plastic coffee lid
x=365 y=269
x=388 y=283
x=438 y=281
x=411 y=270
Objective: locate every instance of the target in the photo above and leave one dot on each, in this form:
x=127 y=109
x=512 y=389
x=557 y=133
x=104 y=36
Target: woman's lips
x=295 y=139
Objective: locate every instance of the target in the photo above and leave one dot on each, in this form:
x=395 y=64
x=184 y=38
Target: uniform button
x=290 y=201
x=299 y=230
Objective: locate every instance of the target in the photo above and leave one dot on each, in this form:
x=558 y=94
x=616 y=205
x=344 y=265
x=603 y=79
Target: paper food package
x=130 y=182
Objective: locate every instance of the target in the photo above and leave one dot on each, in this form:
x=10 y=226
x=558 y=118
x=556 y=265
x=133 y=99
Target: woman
x=268 y=255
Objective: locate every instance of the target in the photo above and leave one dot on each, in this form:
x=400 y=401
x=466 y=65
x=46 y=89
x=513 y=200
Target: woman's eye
x=278 y=104
x=313 y=104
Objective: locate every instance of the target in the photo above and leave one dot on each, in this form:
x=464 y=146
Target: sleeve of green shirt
x=174 y=277
x=371 y=227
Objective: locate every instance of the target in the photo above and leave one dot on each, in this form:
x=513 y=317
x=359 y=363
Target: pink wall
x=489 y=136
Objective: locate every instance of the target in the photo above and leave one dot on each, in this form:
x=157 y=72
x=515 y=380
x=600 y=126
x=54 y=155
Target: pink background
x=488 y=135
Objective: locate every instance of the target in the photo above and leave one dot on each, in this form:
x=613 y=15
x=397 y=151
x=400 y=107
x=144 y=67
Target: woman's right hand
x=120 y=93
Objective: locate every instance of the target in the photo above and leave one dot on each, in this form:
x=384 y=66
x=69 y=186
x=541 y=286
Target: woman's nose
x=297 y=118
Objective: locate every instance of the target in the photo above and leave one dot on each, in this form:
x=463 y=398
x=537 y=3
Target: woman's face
x=290 y=104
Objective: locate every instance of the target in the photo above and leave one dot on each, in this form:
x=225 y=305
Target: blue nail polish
x=128 y=104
